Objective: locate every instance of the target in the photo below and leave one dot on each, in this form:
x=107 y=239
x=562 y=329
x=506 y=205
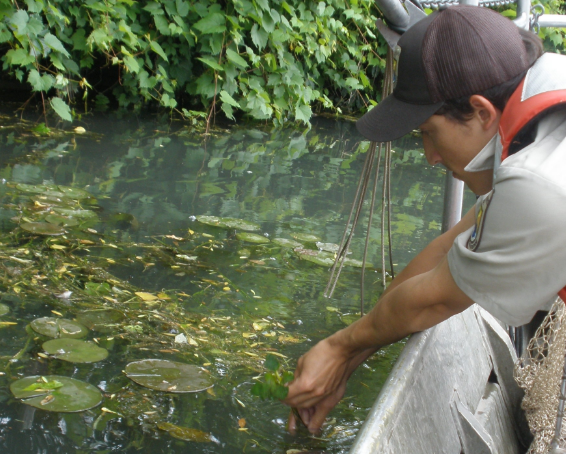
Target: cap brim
x=392 y=119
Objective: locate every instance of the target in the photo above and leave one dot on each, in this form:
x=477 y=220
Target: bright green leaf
x=213 y=23
x=236 y=59
x=61 y=108
x=155 y=46
x=53 y=42
x=225 y=97
x=211 y=63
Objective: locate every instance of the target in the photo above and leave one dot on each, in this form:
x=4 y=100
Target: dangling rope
x=358 y=204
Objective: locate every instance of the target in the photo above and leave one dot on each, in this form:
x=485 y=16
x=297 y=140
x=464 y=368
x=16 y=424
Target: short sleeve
x=519 y=261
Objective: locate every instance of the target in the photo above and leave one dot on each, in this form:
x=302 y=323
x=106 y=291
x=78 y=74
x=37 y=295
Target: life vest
x=543 y=88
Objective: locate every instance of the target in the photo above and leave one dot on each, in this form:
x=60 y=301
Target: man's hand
x=320 y=382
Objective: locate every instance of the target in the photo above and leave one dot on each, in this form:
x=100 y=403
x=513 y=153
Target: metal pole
x=453 y=199
x=394 y=12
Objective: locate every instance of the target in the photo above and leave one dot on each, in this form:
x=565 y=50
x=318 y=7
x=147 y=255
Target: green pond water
x=117 y=229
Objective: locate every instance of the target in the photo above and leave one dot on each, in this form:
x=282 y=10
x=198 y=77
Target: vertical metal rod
x=453 y=199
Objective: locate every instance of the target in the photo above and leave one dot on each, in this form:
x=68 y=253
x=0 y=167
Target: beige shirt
x=519 y=261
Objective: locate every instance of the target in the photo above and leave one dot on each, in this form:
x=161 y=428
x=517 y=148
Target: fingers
x=317 y=419
x=292 y=423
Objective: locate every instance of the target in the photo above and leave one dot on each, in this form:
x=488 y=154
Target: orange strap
x=518 y=113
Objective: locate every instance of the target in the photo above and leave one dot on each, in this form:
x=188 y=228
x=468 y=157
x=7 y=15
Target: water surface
x=150 y=182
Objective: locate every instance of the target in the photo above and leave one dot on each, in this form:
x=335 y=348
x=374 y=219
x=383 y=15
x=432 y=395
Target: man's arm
x=423 y=295
x=436 y=250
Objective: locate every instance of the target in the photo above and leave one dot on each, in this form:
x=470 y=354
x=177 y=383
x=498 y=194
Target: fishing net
x=539 y=372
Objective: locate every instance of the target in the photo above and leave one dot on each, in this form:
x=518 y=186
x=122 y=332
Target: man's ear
x=486 y=112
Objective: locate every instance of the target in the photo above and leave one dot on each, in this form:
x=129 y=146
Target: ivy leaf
x=303 y=113
x=19 y=57
x=53 y=42
x=182 y=8
x=225 y=97
x=271 y=363
x=236 y=59
x=259 y=37
x=213 y=23
x=39 y=82
x=263 y=4
x=20 y=20
x=131 y=64
x=211 y=63
x=228 y=110
x=155 y=46
x=61 y=108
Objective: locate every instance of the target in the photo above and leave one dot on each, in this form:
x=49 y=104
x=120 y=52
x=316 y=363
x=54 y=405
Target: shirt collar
x=485 y=159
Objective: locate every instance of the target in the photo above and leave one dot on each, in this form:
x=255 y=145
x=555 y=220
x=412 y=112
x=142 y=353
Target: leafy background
x=265 y=59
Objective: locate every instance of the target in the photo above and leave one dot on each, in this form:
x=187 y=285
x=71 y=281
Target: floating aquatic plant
x=170 y=376
x=56 y=393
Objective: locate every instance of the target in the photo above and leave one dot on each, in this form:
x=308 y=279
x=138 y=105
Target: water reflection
x=151 y=183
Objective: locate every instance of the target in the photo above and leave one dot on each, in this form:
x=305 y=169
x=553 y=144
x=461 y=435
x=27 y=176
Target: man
x=462 y=79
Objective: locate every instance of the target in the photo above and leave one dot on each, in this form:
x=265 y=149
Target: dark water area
x=236 y=301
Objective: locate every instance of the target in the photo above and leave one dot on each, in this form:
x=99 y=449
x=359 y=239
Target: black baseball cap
x=455 y=52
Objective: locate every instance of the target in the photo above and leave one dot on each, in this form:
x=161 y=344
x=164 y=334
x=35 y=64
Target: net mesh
x=539 y=372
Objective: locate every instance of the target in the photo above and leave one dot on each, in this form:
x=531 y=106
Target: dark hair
x=460 y=109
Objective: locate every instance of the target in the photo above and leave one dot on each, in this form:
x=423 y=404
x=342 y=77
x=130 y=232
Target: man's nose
x=432 y=157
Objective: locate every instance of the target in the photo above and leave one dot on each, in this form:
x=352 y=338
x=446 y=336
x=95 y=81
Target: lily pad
x=58 y=327
x=284 y=242
x=229 y=223
x=252 y=238
x=185 y=433
x=318 y=260
x=233 y=223
x=75 y=350
x=305 y=237
x=43 y=228
x=61 y=394
x=104 y=321
x=4 y=309
x=80 y=214
x=63 y=221
x=53 y=193
x=35 y=188
x=170 y=376
x=209 y=220
x=74 y=193
x=357 y=263
x=328 y=247
x=52 y=200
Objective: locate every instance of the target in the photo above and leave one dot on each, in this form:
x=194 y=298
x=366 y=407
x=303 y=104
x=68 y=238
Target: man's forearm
x=416 y=304
x=433 y=254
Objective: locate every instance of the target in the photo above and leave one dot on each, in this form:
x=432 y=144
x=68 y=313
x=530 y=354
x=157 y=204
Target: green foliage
x=266 y=59
x=554 y=39
x=272 y=385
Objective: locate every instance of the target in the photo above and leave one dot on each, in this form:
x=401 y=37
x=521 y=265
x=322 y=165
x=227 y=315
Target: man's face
x=454 y=145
